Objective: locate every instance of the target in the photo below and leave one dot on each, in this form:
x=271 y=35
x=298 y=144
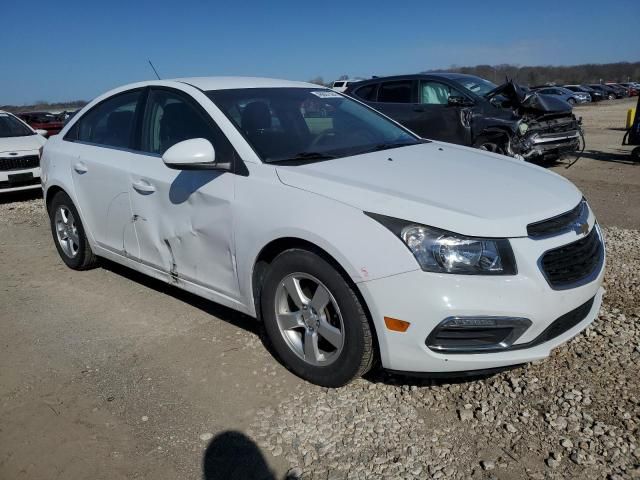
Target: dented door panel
x=184 y=226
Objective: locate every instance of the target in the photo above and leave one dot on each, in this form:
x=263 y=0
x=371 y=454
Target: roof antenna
x=154 y=69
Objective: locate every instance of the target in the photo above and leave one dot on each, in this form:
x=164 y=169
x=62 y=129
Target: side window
x=172 y=117
x=395 y=92
x=436 y=93
x=110 y=123
x=368 y=92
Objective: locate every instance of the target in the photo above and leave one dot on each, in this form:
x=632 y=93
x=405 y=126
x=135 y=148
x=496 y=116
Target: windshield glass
x=307 y=124
x=477 y=85
x=12 y=127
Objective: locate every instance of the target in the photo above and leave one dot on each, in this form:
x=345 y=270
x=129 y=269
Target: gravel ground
x=575 y=415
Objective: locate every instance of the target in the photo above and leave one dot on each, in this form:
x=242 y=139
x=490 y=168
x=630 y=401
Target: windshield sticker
x=326 y=94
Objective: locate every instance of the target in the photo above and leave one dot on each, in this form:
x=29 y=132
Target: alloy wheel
x=309 y=319
x=67 y=231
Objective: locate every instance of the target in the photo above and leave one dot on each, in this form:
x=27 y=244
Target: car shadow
x=20 y=196
x=231 y=455
x=225 y=314
x=423 y=380
x=240 y=320
x=618 y=156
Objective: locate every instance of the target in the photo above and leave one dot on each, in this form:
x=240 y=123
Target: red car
x=44 y=121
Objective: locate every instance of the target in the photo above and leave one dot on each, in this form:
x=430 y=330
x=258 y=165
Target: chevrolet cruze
x=351 y=238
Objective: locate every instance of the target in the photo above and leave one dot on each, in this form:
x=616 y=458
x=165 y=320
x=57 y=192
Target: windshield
x=10 y=126
x=292 y=124
x=477 y=85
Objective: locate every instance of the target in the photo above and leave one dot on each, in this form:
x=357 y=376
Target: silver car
x=567 y=95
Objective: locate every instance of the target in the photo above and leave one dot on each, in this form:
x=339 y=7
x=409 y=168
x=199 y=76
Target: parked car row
x=472 y=111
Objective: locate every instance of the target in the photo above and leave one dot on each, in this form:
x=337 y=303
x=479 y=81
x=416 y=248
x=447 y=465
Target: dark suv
x=472 y=111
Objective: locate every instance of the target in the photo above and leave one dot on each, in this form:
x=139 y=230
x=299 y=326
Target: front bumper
x=425 y=299
x=19 y=172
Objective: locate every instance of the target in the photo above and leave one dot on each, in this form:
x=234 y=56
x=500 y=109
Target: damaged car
x=356 y=242
x=469 y=110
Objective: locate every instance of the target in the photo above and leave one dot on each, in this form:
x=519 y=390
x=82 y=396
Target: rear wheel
x=69 y=235
x=314 y=320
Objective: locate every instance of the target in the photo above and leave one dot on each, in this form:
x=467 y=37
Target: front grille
x=573 y=264
x=566 y=222
x=19 y=163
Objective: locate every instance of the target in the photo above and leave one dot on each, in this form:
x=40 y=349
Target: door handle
x=80 y=167
x=143 y=187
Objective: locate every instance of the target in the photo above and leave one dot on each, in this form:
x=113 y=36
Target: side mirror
x=42 y=132
x=456 y=101
x=194 y=154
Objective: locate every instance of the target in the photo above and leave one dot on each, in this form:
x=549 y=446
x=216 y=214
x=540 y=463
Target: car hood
x=447 y=186
x=528 y=100
x=21 y=144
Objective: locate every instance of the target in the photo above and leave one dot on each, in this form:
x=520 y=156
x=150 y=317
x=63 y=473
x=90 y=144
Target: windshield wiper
x=305 y=157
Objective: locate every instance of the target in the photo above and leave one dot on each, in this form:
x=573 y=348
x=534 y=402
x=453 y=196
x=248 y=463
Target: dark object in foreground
x=471 y=111
x=632 y=136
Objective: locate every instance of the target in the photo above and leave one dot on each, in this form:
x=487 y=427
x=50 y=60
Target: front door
x=183 y=218
x=99 y=168
x=437 y=119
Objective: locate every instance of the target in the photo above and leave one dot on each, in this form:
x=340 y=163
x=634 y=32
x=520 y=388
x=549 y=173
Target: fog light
x=476 y=334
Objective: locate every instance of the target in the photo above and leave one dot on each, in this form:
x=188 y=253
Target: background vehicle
x=595 y=95
x=470 y=110
x=342 y=85
x=20 y=148
x=43 y=121
x=223 y=187
x=569 y=96
x=608 y=93
x=621 y=92
x=632 y=88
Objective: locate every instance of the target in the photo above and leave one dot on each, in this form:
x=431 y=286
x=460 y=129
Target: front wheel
x=571 y=102
x=314 y=320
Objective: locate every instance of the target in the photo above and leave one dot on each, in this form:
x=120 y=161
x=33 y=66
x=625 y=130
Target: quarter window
x=110 y=123
x=395 y=92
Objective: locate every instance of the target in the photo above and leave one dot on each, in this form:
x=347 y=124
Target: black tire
x=494 y=144
x=84 y=258
x=357 y=354
x=571 y=102
x=635 y=154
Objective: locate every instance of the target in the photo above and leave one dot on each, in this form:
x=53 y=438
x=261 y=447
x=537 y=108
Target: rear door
x=397 y=99
x=183 y=218
x=102 y=149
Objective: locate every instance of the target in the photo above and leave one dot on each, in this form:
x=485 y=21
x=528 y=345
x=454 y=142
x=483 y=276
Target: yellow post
x=631 y=115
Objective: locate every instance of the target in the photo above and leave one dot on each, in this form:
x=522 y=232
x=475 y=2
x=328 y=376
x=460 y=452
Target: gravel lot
x=106 y=374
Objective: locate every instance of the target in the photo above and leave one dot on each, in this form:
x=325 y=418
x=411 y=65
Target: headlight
x=522 y=128
x=446 y=252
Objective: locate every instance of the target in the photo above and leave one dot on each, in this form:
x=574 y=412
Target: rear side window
x=111 y=123
x=395 y=92
x=368 y=92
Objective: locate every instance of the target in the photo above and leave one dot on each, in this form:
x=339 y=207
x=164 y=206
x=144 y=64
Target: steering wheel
x=329 y=132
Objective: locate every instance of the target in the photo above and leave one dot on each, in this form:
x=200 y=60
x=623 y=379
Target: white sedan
x=20 y=148
x=351 y=238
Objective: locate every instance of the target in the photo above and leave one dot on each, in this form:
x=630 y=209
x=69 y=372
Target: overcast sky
x=69 y=50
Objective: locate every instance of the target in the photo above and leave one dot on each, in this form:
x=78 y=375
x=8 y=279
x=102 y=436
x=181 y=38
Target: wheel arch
x=275 y=247
x=51 y=192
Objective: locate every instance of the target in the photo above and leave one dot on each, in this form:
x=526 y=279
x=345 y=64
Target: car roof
x=226 y=83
